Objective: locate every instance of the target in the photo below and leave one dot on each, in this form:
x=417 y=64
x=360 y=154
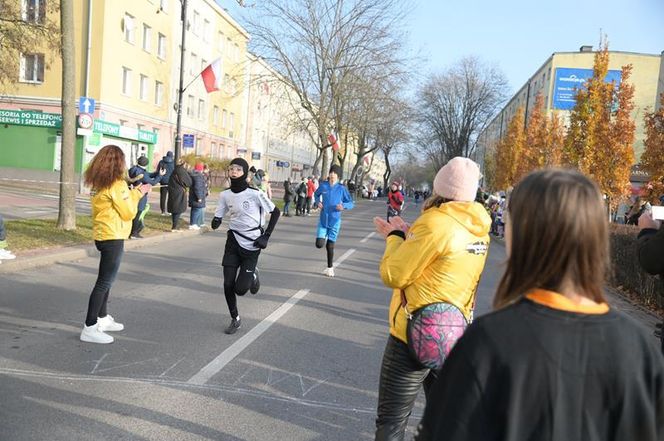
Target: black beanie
x=240 y=184
x=143 y=161
x=337 y=170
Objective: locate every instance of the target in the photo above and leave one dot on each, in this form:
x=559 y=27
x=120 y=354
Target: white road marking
x=236 y=348
x=343 y=257
x=368 y=237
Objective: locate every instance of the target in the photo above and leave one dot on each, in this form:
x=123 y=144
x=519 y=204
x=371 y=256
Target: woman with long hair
x=114 y=206
x=554 y=361
x=434 y=268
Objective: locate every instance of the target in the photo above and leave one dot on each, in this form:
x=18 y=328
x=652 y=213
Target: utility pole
x=178 y=129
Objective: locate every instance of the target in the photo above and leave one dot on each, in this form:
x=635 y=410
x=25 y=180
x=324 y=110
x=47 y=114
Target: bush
x=627 y=274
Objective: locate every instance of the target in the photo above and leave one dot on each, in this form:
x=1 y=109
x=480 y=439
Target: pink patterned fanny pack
x=432 y=332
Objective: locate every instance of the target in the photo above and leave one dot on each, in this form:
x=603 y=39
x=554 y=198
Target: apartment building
x=562 y=73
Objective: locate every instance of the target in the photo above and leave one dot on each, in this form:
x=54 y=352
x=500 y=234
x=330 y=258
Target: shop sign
x=30 y=118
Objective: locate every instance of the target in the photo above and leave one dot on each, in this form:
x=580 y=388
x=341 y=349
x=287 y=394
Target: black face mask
x=240 y=184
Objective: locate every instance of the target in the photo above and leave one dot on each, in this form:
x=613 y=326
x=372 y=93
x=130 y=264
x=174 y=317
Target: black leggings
x=236 y=284
x=329 y=246
x=163 y=197
x=400 y=381
x=109 y=264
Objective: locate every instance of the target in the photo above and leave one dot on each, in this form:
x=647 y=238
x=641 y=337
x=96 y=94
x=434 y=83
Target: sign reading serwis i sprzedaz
x=29 y=118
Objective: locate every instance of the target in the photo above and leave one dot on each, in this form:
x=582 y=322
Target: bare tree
x=318 y=46
x=455 y=106
x=67 y=213
x=26 y=28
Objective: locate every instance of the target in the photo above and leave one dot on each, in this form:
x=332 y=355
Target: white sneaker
x=5 y=254
x=194 y=227
x=92 y=334
x=329 y=272
x=108 y=324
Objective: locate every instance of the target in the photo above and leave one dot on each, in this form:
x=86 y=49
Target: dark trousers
x=109 y=264
x=136 y=225
x=237 y=283
x=400 y=381
x=286 y=207
x=175 y=218
x=163 y=197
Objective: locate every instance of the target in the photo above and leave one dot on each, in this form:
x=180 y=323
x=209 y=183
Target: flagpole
x=178 y=129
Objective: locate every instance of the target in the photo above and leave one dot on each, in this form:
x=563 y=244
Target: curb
x=78 y=252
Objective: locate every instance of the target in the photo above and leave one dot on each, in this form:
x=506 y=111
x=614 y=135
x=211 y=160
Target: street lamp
x=178 y=126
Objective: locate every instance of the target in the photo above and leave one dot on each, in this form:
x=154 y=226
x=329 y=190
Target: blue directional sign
x=86 y=105
x=188 y=141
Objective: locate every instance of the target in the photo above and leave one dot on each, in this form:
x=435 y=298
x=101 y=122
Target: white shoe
x=92 y=334
x=5 y=254
x=194 y=227
x=108 y=324
x=329 y=272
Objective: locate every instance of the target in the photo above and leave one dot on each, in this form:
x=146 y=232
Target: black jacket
x=650 y=249
x=148 y=178
x=288 y=192
x=529 y=372
x=167 y=164
x=177 y=190
x=198 y=190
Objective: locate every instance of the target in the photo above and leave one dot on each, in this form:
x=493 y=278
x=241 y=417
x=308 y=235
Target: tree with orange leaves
x=652 y=159
x=509 y=152
x=601 y=132
x=544 y=140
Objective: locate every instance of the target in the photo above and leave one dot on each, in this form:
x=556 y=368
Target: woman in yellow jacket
x=114 y=207
x=436 y=262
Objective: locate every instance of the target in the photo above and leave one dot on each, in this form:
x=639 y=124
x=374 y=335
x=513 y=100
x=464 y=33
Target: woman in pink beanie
x=434 y=268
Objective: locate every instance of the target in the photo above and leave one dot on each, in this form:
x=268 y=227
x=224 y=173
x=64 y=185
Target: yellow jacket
x=113 y=209
x=440 y=260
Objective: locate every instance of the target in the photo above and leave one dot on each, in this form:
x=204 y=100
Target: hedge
x=627 y=275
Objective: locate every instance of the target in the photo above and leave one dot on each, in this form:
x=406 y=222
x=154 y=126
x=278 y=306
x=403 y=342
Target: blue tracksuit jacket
x=332 y=195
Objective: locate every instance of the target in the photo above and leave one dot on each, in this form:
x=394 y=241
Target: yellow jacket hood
x=440 y=260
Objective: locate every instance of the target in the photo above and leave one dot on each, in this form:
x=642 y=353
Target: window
x=206 y=31
x=190 y=106
x=201 y=110
x=140 y=126
x=236 y=52
x=147 y=37
x=227 y=80
x=32 y=68
x=126 y=81
x=161 y=46
x=193 y=64
x=143 y=88
x=213 y=149
x=221 y=42
x=224 y=116
x=158 y=93
x=197 y=23
x=215 y=115
x=231 y=123
x=129 y=30
x=33 y=11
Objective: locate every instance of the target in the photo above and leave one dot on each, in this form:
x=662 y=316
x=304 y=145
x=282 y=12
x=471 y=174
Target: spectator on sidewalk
x=301 y=194
x=139 y=176
x=168 y=166
x=650 y=249
x=288 y=197
x=114 y=206
x=177 y=193
x=5 y=254
x=554 y=361
x=197 y=195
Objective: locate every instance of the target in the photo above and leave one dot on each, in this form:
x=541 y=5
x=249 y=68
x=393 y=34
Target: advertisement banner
x=30 y=118
x=569 y=80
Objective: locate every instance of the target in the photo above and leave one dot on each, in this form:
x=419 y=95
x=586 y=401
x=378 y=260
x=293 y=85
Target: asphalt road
x=304 y=366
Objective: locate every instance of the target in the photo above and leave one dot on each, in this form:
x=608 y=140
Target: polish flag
x=212 y=76
x=333 y=140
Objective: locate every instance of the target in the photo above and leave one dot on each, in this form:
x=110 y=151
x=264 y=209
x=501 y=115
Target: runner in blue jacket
x=332 y=198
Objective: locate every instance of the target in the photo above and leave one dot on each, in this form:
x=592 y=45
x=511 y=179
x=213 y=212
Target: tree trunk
x=67 y=208
x=388 y=171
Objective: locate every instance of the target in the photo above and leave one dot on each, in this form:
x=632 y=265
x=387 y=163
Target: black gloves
x=216 y=221
x=261 y=241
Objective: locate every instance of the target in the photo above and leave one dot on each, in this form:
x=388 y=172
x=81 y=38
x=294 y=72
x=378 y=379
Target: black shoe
x=233 y=326
x=137 y=236
x=256 y=284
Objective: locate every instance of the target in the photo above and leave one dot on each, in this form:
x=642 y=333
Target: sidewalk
x=42 y=257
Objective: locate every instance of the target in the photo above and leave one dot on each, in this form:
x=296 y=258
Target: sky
x=518 y=35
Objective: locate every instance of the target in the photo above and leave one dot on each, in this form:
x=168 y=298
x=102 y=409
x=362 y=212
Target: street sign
x=188 y=141
x=85 y=120
x=86 y=105
x=255 y=155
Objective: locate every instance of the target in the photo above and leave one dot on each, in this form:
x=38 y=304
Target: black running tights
x=329 y=246
x=236 y=284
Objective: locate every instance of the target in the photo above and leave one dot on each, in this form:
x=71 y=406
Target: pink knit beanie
x=458 y=180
